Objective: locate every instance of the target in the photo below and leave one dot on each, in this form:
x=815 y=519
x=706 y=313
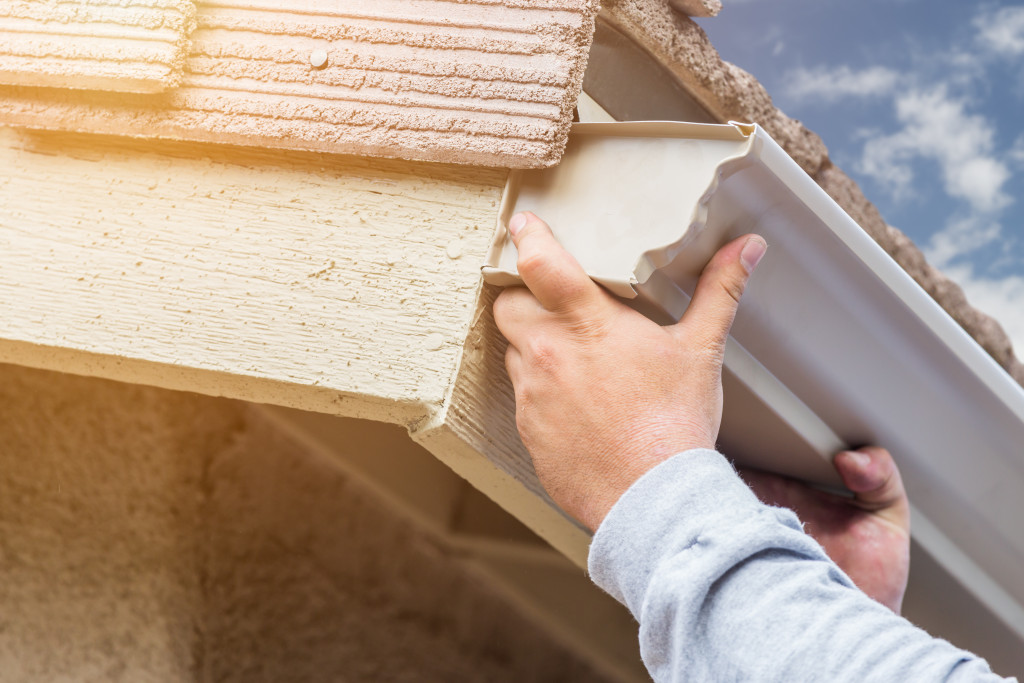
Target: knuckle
x=531 y=262
x=509 y=307
x=733 y=287
x=524 y=398
x=510 y=363
x=543 y=354
x=526 y=412
x=505 y=306
x=502 y=308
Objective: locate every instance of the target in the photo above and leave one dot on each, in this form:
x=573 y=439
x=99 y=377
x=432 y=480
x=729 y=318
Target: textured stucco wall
x=99 y=504
x=149 y=535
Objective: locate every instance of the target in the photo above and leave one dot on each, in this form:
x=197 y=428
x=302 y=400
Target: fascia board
x=834 y=344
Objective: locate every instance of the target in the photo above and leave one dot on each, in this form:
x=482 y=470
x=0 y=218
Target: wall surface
x=151 y=535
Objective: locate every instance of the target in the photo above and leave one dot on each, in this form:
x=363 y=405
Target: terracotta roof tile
x=136 y=46
x=467 y=81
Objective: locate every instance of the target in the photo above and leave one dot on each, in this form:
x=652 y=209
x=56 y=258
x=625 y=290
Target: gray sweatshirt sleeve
x=728 y=589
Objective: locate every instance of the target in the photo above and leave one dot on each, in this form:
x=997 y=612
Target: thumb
x=553 y=275
x=710 y=314
x=872 y=475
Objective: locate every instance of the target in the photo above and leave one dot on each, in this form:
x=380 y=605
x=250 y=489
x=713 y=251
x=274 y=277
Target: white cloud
x=938 y=104
x=962 y=68
x=1002 y=31
x=999 y=297
x=937 y=128
x=959 y=237
x=1017 y=151
x=833 y=84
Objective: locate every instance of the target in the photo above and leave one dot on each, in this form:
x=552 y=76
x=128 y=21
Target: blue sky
x=922 y=103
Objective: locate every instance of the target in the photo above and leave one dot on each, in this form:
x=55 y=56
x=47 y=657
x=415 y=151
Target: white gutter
x=834 y=344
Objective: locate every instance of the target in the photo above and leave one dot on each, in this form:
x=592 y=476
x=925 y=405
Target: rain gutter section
x=834 y=345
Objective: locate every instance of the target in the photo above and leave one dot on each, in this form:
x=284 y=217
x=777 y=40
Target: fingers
x=711 y=312
x=513 y=364
x=517 y=313
x=873 y=477
x=552 y=274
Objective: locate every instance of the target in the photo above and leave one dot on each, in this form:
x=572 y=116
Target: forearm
x=726 y=588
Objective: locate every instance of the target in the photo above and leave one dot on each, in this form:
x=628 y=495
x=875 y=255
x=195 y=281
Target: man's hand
x=868 y=536
x=604 y=394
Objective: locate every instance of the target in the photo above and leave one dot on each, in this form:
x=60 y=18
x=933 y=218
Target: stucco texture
x=150 y=535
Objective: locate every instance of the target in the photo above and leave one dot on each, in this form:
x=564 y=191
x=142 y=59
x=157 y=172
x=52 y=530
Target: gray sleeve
x=728 y=589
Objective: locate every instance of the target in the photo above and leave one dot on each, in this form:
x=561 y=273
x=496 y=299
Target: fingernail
x=861 y=460
x=752 y=253
x=517 y=223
